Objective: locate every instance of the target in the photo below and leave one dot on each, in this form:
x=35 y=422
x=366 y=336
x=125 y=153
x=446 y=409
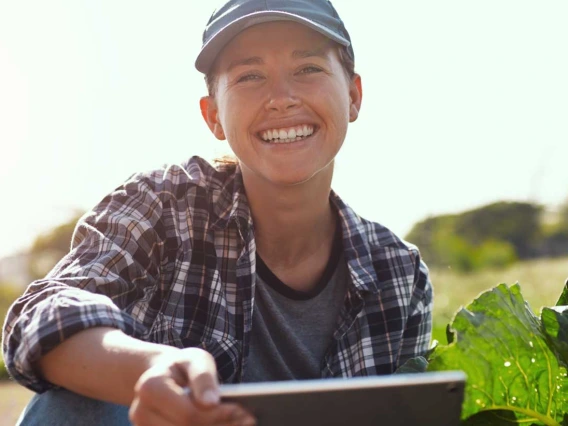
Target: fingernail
x=210 y=396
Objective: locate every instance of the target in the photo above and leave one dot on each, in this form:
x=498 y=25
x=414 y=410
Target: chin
x=294 y=178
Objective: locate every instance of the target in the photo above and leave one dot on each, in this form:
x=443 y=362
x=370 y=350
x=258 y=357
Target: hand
x=161 y=396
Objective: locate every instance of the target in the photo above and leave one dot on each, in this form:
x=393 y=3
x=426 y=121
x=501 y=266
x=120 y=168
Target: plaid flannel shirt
x=169 y=257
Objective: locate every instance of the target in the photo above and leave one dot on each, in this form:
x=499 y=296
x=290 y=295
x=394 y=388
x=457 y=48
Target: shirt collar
x=232 y=206
x=356 y=247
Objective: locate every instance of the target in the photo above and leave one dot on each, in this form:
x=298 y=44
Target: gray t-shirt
x=291 y=331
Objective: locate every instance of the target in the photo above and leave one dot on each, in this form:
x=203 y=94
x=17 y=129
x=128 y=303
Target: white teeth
x=285 y=141
x=291 y=134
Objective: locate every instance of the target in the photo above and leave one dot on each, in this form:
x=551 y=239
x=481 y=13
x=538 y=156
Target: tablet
x=427 y=399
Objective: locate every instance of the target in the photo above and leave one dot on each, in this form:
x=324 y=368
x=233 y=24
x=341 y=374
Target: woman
x=251 y=271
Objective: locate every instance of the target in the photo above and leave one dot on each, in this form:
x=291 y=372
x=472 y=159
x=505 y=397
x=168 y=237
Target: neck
x=291 y=222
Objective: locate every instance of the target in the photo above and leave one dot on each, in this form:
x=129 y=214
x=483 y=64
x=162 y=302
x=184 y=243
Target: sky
x=465 y=103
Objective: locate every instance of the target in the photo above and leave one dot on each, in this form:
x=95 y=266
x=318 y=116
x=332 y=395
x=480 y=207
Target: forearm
x=101 y=363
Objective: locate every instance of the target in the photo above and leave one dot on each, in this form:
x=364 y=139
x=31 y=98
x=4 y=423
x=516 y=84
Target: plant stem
x=527 y=412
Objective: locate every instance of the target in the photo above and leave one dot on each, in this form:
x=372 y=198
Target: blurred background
x=460 y=147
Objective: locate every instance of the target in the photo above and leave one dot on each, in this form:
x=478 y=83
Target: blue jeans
x=59 y=407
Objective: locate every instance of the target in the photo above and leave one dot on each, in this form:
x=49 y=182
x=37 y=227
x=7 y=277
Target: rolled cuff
x=53 y=320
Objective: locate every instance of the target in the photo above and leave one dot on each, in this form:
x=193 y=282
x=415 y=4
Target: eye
x=310 y=69
x=248 y=77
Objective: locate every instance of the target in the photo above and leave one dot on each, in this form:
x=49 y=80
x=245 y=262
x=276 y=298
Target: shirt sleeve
x=418 y=331
x=107 y=279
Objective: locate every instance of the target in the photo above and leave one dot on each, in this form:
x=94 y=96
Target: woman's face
x=283 y=101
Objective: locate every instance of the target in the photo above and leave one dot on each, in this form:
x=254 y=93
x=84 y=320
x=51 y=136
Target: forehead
x=279 y=37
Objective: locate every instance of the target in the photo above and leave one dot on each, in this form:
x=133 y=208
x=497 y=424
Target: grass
x=13 y=398
x=541 y=283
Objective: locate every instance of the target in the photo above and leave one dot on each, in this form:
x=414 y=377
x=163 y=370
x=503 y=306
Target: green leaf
x=493 y=418
x=500 y=345
x=413 y=365
x=555 y=325
x=450 y=335
x=563 y=300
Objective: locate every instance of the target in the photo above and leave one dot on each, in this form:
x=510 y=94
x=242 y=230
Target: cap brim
x=213 y=47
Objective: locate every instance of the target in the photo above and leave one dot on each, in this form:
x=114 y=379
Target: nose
x=282 y=96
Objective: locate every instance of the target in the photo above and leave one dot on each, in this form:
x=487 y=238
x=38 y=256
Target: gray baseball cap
x=235 y=16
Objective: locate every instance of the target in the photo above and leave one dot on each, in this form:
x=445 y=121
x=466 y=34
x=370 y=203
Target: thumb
x=202 y=375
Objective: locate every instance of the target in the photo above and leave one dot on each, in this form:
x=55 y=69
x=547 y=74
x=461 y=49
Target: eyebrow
x=254 y=60
x=301 y=54
x=296 y=54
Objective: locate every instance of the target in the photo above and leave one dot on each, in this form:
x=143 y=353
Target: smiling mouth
x=288 y=134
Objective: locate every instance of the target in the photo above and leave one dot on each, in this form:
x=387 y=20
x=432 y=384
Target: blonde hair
x=226 y=162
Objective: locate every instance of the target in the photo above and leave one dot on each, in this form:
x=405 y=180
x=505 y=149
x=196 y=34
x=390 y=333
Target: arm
x=80 y=327
x=114 y=263
x=106 y=364
x=101 y=363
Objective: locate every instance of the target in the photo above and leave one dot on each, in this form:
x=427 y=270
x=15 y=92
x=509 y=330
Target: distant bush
x=50 y=247
x=492 y=236
x=516 y=223
x=3 y=372
x=555 y=234
x=494 y=254
x=452 y=251
x=8 y=293
x=555 y=244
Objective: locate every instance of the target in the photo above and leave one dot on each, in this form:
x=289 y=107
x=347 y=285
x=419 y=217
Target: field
x=541 y=283
x=13 y=398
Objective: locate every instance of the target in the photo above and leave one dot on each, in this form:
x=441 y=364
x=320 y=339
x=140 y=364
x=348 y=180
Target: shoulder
x=381 y=238
x=391 y=252
x=171 y=192
x=378 y=256
x=391 y=255
x=176 y=178
x=375 y=237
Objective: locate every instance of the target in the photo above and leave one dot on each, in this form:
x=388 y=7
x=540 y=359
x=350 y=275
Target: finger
x=202 y=374
x=140 y=415
x=164 y=396
x=238 y=423
x=231 y=413
x=223 y=414
x=167 y=401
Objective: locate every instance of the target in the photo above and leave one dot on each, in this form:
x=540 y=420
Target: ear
x=210 y=114
x=356 y=97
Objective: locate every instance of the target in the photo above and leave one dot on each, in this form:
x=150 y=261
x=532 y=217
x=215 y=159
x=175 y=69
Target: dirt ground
x=13 y=399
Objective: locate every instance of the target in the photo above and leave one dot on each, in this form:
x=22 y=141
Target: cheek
x=232 y=116
x=236 y=122
x=337 y=104
x=335 y=97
